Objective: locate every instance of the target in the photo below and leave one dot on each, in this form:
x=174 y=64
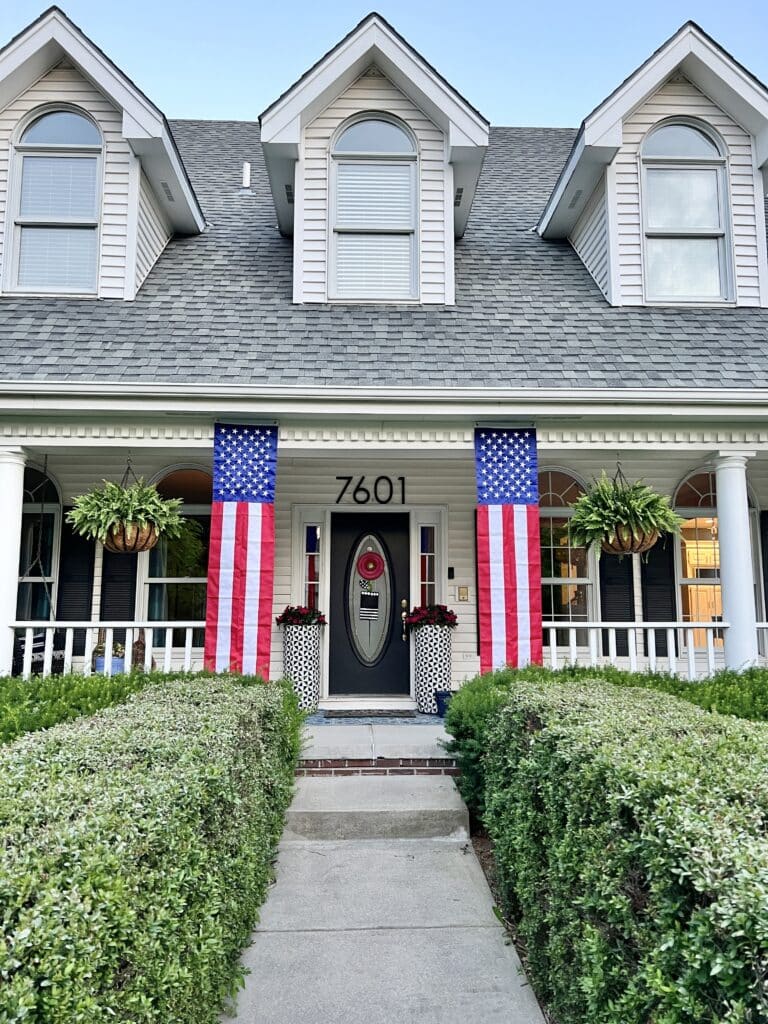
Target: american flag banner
x=508 y=552
x=241 y=564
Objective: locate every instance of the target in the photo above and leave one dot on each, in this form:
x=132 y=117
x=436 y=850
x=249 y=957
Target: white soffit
x=373 y=41
x=43 y=44
x=705 y=64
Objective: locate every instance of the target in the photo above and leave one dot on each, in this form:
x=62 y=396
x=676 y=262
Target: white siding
x=681 y=98
x=152 y=231
x=66 y=85
x=590 y=237
x=371 y=92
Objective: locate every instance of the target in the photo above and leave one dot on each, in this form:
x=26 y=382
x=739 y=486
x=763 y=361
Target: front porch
x=64 y=599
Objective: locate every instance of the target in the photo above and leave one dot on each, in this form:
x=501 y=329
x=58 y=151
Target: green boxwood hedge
x=474 y=708
x=38 y=703
x=135 y=849
x=630 y=840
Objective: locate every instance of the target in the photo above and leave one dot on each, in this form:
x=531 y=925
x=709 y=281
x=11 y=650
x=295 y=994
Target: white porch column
x=736 y=564
x=12 y=461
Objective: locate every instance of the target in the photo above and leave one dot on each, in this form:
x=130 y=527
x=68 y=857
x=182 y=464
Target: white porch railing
x=41 y=650
x=694 y=650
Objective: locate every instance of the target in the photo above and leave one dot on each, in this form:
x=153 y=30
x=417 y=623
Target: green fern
x=611 y=506
x=95 y=513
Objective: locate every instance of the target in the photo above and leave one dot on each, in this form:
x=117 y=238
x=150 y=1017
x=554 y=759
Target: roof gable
x=373 y=41
x=53 y=37
x=704 y=63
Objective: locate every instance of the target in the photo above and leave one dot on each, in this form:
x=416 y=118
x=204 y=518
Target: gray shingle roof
x=217 y=308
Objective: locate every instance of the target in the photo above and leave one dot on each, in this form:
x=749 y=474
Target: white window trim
x=334 y=160
x=144 y=580
x=724 y=237
x=15 y=223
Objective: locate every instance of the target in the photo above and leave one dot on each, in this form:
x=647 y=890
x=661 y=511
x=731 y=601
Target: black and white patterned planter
x=433 y=664
x=301 y=663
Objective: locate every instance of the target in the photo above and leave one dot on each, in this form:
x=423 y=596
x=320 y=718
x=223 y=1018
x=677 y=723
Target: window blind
x=59 y=187
x=374 y=195
x=372 y=266
x=57 y=258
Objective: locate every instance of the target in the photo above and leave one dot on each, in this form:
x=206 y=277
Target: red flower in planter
x=431 y=615
x=293 y=615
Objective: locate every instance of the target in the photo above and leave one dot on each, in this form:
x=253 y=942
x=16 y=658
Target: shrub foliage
x=629 y=832
x=135 y=849
x=475 y=707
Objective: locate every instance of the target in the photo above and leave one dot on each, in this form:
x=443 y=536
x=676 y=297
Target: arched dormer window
x=373 y=212
x=57 y=176
x=685 y=214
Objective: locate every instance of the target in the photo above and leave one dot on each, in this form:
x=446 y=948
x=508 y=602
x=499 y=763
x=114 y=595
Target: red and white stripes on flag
x=509 y=585
x=238 y=628
x=508 y=548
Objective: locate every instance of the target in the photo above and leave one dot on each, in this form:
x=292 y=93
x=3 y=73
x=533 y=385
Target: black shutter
x=764 y=552
x=75 y=590
x=118 y=590
x=659 y=597
x=617 y=598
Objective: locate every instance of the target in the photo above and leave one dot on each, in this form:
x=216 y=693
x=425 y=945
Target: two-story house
x=376 y=270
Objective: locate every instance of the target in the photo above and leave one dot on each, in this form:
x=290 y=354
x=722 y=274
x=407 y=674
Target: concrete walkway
x=381 y=930
x=374 y=741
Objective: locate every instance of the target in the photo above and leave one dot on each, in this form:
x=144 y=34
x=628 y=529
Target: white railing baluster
x=612 y=645
x=48 y=653
x=168 y=650
x=148 y=638
x=26 y=669
x=651 y=640
x=188 y=649
x=632 y=647
x=710 y=652
x=671 y=656
x=88 y=651
x=69 y=642
x=128 y=649
x=692 y=673
x=592 y=633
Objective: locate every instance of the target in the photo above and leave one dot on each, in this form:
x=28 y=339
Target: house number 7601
x=382 y=491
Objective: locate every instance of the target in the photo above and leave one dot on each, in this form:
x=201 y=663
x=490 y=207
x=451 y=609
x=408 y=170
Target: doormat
x=388 y=713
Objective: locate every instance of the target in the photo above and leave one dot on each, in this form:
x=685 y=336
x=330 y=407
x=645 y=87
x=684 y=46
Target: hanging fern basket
x=628 y=542
x=130 y=538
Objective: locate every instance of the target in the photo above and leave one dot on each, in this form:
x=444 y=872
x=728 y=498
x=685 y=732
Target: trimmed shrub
x=629 y=833
x=475 y=707
x=135 y=849
x=37 y=703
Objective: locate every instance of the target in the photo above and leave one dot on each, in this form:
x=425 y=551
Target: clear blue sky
x=533 y=62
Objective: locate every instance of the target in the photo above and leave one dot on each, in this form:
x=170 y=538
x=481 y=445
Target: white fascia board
x=373 y=43
x=706 y=66
x=44 y=44
x=670 y=404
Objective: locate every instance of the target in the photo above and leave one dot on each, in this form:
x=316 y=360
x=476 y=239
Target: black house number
x=382 y=491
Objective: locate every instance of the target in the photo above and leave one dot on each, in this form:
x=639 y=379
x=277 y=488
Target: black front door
x=369 y=580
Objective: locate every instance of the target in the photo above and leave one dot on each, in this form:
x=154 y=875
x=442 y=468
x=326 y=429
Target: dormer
x=373 y=161
x=663 y=194
x=95 y=186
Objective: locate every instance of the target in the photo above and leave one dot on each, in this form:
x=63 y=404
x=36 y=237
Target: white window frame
x=592 y=581
x=723 y=236
x=335 y=160
x=18 y=151
x=144 y=580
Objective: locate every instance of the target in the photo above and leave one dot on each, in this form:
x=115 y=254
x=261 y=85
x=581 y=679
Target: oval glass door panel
x=369 y=599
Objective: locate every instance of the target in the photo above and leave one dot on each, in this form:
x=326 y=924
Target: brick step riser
x=377 y=766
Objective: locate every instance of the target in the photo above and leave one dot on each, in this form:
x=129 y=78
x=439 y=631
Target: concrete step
x=377 y=807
